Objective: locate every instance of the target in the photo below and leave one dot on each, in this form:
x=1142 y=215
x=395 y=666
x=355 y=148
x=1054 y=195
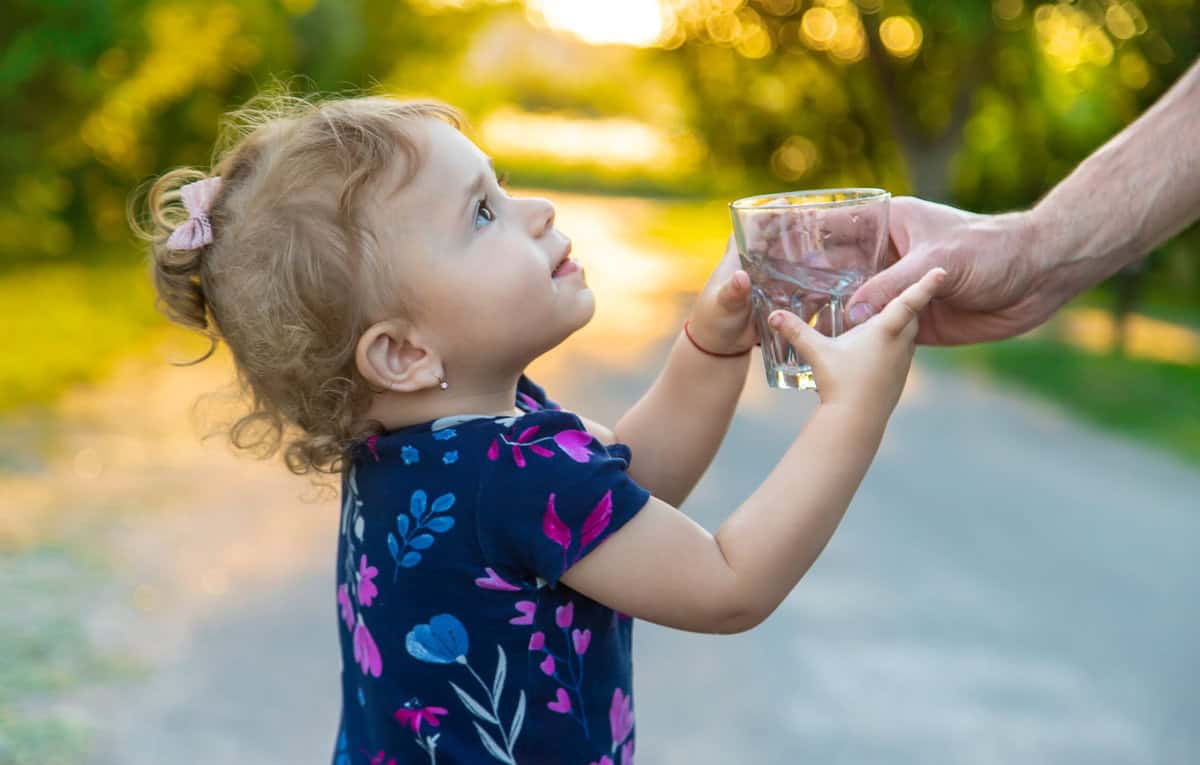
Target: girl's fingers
x=905 y=308
x=886 y=286
x=806 y=340
x=735 y=292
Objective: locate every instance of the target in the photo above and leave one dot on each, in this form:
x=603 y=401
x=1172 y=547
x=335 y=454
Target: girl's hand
x=866 y=367
x=721 y=318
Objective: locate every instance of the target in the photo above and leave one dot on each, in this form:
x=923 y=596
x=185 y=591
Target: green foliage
x=64 y=323
x=988 y=106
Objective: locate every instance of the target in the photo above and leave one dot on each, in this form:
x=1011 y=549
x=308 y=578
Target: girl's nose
x=541 y=216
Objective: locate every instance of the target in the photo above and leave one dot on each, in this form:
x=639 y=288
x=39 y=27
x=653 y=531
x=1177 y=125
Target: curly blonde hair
x=294 y=270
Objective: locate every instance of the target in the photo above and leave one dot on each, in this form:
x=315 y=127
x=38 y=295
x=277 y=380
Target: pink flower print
x=564 y=615
x=366 y=653
x=366 y=587
x=574 y=444
x=371 y=446
x=527 y=609
x=561 y=703
x=537 y=641
x=554 y=528
x=518 y=457
x=493 y=452
x=413 y=716
x=493 y=582
x=379 y=759
x=343 y=596
x=581 y=640
x=547 y=665
x=605 y=760
x=597 y=521
x=620 y=717
x=627 y=753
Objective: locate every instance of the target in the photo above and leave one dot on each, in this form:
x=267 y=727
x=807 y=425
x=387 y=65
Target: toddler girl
x=381 y=295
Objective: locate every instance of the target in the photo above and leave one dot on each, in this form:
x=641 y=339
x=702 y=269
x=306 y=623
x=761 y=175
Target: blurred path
x=1009 y=586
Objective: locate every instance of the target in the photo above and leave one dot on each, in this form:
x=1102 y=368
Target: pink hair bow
x=197 y=200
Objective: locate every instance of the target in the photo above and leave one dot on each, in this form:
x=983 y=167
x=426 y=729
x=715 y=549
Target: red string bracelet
x=702 y=349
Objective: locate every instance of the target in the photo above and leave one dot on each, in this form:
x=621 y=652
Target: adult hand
x=995 y=286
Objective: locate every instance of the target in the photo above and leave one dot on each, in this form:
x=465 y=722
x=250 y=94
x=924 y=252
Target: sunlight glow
x=619 y=22
x=612 y=141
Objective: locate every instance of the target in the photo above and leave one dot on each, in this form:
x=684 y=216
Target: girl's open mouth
x=565 y=268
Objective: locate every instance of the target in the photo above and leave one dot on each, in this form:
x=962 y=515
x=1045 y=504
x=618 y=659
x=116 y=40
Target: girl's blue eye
x=484 y=213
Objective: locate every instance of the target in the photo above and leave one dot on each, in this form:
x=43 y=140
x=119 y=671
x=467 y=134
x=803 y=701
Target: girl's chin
x=582 y=318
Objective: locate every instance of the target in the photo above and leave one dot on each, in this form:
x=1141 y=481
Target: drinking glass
x=807 y=252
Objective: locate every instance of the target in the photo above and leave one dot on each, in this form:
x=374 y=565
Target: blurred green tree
x=94 y=97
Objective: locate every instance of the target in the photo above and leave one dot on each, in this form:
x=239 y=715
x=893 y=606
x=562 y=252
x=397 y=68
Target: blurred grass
x=595 y=178
x=1155 y=402
x=688 y=228
x=65 y=323
x=47 y=652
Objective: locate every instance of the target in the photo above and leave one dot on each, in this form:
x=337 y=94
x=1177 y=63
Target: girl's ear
x=388 y=359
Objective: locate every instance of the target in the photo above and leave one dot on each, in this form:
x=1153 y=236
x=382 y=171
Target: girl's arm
x=675 y=429
x=663 y=567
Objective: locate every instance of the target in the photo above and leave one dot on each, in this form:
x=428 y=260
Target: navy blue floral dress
x=459 y=644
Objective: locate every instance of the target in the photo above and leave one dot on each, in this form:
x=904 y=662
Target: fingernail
x=775 y=320
x=860 y=312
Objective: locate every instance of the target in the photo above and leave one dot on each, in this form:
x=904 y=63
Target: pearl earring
x=442 y=383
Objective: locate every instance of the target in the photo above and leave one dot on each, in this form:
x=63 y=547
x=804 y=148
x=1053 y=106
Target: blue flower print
x=442 y=641
x=411 y=529
x=449 y=458
x=444 y=435
x=409 y=454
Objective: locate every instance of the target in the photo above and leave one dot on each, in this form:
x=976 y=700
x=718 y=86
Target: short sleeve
x=550 y=493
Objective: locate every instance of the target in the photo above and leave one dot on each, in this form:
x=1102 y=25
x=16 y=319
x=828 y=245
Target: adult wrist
x=1062 y=268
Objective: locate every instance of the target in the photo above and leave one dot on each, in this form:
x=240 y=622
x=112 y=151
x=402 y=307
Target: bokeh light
x=901 y=35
